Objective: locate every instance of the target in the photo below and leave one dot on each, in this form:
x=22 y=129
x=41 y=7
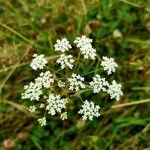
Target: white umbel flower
x=114 y=90
x=33 y=91
x=63 y=116
x=89 y=110
x=76 y=82
x=109 y=65
x=38 y=62
x=45 y=79
x=55 y=104
x=42 y=121
x=61 y=84
x=32 y=109
x=84 y=44
x=62 y=45
x=65 y=61
x=99 y=84
x=88 y=51
x=82 y=41
x=42 y=105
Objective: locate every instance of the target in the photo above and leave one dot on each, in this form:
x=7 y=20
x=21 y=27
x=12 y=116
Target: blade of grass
x=131 y=103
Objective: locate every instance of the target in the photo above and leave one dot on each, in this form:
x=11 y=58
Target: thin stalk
x=131 y=103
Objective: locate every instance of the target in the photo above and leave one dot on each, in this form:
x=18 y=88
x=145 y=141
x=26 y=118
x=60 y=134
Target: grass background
x=32 y=26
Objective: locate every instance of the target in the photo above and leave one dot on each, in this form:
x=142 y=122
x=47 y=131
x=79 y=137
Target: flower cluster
x=63 y=116
x=89 y=110
x=66 y=61
x=62 y=45
x=99 y=84
x=40 y=91
x=38 y=62
x=85 y=46
x=61 y=84
x=109 y=65
x=55 y=104
x=33 y=91
x=32 y=109
x=42 y=121
x=114 y=90
x=76 y=82
x=45 y=79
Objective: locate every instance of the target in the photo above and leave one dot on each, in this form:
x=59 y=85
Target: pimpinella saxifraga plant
x=42 y=92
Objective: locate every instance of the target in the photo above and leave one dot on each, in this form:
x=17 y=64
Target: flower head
x=114 y=90
x=55 y=104
x=42 y=121
x=76 y=82
x=62 y=45
x=38 y=62
x=63 y=116
x=84 y=44
x=61 y=84
x=89 y=110
x=33 y=91
x=109 y=65
x=65 y=61
x=45 y=79
x=82 y=41
x=32 y=109
x=99 y=84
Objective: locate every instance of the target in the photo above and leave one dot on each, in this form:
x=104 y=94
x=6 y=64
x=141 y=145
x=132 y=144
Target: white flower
x=32 y=109
x=38 y=62
x=84 y=44
x=61 y=84
x=89 y=110
x=42 y=121
x=62 y=45
x=45 y=79
x=88 y=52
x=32 y=91
x=114 y=90
x=109 y=65
x=63 y=116
x=76 y=82
x=82 y=41
x=65 y=61
x=99 y=84
x=55 y=104
x=117 y=34
x=42 y=105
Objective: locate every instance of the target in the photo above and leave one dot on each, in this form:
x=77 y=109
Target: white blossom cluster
x=63 y=116
x=85 y=46
x=65 y=61
x=45 y=79
x=38 y=62
x=109 y=65
x=62 y=45
x=114 y=90
x=42 y=85
x=55 y=104
x=76 y=82
x=61 y=84
x=32 y=109
x=33 y=91
x=89 y=110
x=99 y=84
x=42 y=121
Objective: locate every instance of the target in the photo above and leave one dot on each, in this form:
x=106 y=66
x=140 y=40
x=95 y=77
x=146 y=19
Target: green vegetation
x=32 y=26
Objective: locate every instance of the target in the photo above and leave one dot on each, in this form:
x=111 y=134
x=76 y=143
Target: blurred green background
x=32 y=26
